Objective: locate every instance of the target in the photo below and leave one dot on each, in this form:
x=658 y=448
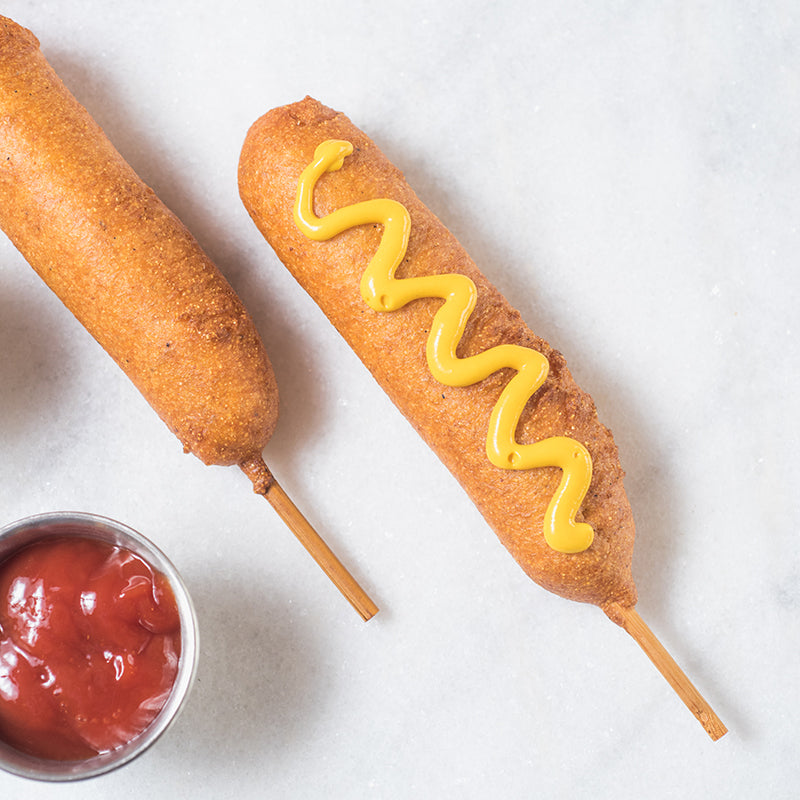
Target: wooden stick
x=264 y=483
x=629 y=619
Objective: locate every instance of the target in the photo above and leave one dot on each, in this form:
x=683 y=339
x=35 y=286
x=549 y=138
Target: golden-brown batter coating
x=126 y=266
x=453 y=421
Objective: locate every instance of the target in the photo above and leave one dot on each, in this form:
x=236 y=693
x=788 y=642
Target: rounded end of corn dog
x=11 y=31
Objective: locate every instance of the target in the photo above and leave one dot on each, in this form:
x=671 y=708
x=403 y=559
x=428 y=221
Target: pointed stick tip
x=264 y=483
x=628 y=618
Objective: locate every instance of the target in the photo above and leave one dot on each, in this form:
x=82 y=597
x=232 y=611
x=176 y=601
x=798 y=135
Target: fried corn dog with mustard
x=277 y=172
x=134 y=276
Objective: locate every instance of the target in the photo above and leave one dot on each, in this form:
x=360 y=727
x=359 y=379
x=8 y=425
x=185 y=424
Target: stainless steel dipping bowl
x=26 y=531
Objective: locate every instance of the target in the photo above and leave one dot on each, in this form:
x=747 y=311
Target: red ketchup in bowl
x=89 y=647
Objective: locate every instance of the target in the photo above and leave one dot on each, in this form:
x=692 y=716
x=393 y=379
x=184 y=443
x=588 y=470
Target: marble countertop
x=626 y=173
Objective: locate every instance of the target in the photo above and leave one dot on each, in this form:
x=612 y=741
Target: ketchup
x=89 y=647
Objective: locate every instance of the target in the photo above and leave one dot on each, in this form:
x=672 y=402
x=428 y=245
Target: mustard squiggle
x=383 y=292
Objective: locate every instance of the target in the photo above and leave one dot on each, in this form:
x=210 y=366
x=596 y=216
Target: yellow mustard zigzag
x=383 y=292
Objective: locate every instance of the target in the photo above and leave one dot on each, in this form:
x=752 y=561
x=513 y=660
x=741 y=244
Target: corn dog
x=452 y=419
x=494 y=401
x=135 y=277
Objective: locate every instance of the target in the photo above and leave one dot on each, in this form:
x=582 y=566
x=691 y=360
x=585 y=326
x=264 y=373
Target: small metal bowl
x=26 y=531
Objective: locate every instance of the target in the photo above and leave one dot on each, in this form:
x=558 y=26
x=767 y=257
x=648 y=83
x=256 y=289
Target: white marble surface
x=627 y=173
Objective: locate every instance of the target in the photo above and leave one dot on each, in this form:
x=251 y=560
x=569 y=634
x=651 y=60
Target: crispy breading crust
x=453 y=421
x=126 y=266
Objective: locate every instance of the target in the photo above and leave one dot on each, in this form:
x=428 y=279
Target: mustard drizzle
x=383 y=292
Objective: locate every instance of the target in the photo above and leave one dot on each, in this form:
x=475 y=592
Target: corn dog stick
x=265 y=484
x=631 y=621
x=131 y=273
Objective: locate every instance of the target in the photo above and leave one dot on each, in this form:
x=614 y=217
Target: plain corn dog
x=126 y=266
x=380 y=264
x=138 y=281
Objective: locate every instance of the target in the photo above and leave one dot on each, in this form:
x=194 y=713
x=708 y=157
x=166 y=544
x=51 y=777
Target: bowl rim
x=27 y=530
